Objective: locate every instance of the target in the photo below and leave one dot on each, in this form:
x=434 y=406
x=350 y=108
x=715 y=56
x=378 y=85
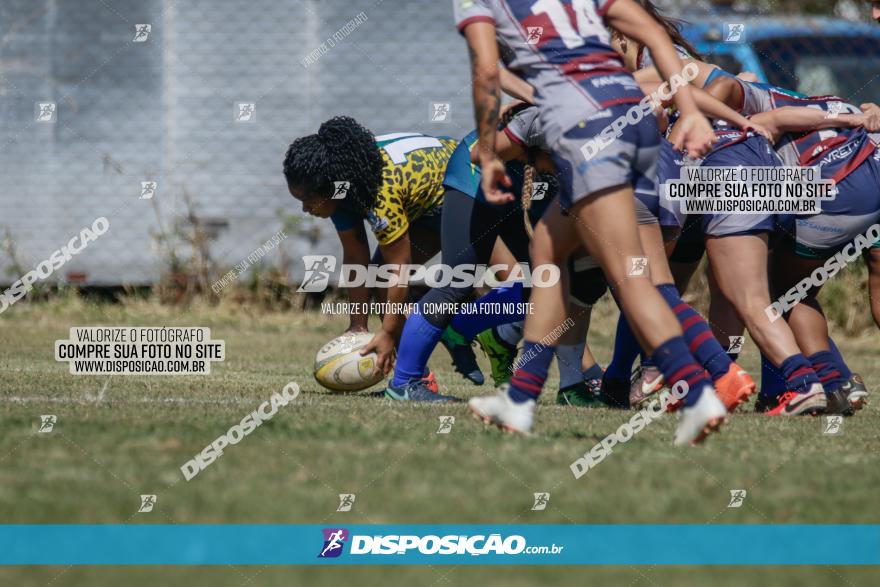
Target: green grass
x=103 y=454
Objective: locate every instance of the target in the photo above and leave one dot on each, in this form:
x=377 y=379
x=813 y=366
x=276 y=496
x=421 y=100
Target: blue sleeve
x=461 y=175
x=344 y=219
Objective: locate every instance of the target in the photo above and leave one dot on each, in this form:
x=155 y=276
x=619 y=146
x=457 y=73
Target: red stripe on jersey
x=610 y=57
x=540 y=21
x=854 y=162
x=602 y=9
x=514 y=138
x=616 y=101
x=472 y=20
x=820 y=148
x=580 y=76
x=787 y=99
x=743 y=135
x=569 y=9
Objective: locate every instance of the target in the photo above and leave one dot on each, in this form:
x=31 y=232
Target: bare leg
x=723 y=319
x=553 y=241
x=739 y=264
x=606 y=227
x=578 y=333
x=588 y=360
x=652 y=241
x=501 y=255
x=806 y=319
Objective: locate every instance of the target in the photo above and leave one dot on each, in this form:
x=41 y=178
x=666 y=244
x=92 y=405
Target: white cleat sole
x=700 y=420
x=499 y=411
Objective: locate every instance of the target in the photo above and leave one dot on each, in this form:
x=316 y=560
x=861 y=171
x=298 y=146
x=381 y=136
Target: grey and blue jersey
x=563 y=49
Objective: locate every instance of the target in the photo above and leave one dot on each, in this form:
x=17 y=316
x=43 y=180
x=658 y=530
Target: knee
x=446 y=295
x=752 y=308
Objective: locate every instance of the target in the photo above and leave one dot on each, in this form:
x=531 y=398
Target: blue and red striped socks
x=529 y=377
x=841 y=364
x=701 y=342
x=826 y=367
x=772 y=381
x=799 y=374
x=677 y=364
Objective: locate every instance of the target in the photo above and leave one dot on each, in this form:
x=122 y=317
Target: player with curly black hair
x=341 y=151
x=394 y=182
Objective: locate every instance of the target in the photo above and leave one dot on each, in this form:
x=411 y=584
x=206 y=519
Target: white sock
x=510 y=333
x=568 y=357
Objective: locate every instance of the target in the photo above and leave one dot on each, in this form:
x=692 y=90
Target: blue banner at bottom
x=440 y=544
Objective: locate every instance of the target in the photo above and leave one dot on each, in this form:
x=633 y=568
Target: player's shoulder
x=404 y=149
x=467 y=12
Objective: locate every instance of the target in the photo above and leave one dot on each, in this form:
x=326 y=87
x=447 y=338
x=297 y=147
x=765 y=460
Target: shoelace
x=787 y=396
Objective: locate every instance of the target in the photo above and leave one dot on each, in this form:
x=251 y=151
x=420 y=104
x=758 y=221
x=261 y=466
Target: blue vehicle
x=811 y=55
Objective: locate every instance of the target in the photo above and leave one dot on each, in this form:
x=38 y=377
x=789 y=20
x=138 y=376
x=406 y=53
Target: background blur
x=164 y=108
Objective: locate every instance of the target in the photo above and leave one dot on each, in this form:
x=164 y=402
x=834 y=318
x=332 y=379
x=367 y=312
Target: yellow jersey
x=412 y=184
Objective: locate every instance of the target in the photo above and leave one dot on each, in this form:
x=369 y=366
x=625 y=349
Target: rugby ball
x=339 y=365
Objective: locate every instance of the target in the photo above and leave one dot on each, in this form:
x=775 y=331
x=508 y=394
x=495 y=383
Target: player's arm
x=486 y=80
x=509 y=149
x=714 y=108
x=727 y=90
x=872 y=115
x=650 y=74
x=802 y=119
x=515 y=86
x=631 y=20
x=356 y=251
x=398 y=254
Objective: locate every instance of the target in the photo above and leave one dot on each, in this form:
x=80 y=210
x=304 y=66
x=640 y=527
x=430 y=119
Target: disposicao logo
x=334 y=540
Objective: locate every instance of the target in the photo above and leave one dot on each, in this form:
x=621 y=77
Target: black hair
x=672 y=27
x=341 y=150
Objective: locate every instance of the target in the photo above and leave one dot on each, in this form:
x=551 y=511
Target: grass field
x=123 y=436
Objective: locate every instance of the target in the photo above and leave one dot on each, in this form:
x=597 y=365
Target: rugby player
x=835 y=137
x=392 y=182
x=570 y=50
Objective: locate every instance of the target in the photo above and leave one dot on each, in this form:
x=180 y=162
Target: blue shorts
x=754 y=151
x=669 y=164
x=585 y=167
x=855 y=209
